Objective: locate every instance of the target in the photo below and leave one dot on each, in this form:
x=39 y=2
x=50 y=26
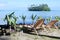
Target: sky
x=24 y=4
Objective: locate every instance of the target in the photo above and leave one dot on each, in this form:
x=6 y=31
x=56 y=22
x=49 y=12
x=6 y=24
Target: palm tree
x=33 y=18
x=9 y=18
x=23 y=18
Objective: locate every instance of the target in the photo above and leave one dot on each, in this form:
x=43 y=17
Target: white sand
x=24 y=36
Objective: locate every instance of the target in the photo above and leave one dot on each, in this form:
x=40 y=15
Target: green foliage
x=11 y=15
x=33 y=18
x=15 y=18
x=8 y=18
x=49 y=19
x=11 y=19
x=57 y=18
x=39 y=17
x=23 y=18
x=42 y=7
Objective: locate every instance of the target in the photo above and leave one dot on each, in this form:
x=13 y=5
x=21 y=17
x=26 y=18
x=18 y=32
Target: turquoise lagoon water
x=44 y=14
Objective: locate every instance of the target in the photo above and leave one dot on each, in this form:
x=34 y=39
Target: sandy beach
x=25 y=36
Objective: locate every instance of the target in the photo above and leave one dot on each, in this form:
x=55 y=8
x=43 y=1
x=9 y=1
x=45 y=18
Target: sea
x=18 y=13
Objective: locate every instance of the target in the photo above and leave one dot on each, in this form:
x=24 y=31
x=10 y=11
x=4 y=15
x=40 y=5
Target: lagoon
x=44 y=14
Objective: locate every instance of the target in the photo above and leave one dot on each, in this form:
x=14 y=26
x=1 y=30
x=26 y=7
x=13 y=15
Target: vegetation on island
x=42 y=7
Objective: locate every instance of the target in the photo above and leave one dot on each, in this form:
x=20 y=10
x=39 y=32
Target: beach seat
x=36 y=26
x=52 y=24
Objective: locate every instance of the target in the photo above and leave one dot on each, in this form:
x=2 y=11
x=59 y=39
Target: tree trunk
x=10 y=28
x=24 y=22
x=32 y=21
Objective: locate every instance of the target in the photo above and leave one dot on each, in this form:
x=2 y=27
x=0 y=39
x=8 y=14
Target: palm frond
x=57 y=18
x=39 y=17
x=5 y=17
x=10 y=15
x=33 y=17
x=23 y=17
x=15 y=18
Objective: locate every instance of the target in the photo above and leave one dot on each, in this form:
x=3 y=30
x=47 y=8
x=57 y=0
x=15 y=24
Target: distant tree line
x=42 y=7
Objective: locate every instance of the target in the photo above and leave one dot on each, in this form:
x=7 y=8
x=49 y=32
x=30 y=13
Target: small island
x=41 y=7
